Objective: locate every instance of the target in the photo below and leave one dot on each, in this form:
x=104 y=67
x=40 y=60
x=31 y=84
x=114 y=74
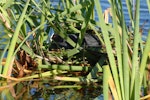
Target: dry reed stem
x=113 y=88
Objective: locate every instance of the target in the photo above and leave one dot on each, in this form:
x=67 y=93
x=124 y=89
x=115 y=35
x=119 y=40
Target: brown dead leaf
x=21 y=69
x=25 y=58
x=24 y=64
x=113 y=87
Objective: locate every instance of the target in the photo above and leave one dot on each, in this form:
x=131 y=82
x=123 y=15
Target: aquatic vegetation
x=62 y=52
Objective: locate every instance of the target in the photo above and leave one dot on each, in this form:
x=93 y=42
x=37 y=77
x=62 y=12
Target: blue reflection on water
x=144 y=13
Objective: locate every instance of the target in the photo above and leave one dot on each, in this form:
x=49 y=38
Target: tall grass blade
x=14 y=39
x=106 y=76
x=42 y=21
x=137 y=85
x=108 y=47
x=135 y=62
x=129 y=6
x=115 y=13
x=125 y=65
x=144 y=58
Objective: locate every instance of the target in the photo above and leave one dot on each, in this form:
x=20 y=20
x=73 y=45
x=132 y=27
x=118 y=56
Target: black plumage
x=90 y=40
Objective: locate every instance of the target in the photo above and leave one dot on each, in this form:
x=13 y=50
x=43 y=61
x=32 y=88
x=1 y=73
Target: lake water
x=144 y=14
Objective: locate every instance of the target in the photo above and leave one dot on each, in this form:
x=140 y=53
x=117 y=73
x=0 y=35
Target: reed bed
x=117 y=66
